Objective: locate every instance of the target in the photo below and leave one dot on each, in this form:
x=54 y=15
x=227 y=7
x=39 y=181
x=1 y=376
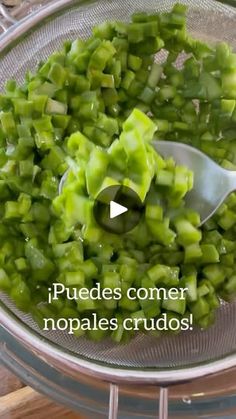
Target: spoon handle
x=231 y=184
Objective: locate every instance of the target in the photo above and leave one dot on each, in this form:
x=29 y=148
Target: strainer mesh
x=207 y=20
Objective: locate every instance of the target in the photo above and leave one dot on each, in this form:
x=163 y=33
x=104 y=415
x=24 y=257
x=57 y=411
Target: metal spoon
x=212 y=183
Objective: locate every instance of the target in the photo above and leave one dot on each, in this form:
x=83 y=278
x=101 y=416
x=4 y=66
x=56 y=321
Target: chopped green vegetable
x=92 y=110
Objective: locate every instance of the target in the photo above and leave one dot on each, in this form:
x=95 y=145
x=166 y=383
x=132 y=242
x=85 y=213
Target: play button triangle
x=116 y=209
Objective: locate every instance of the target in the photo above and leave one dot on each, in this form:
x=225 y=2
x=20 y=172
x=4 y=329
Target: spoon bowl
x=212 y=183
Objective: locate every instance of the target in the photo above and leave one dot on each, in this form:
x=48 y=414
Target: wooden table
x=18 y=401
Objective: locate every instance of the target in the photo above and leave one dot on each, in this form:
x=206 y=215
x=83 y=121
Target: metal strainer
x=145 y=359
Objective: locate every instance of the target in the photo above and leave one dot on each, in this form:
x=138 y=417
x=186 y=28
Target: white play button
x=116 y=209
x=115 y=201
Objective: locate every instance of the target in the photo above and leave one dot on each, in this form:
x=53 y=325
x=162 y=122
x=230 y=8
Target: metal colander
x=145 y=359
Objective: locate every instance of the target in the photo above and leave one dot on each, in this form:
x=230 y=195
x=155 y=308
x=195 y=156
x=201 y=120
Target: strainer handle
x=114 y=402
x=7 y=18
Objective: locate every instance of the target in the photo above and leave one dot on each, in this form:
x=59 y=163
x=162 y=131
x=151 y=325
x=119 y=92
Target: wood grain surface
x=27 y=403
x=18 y=401
x=8 y=382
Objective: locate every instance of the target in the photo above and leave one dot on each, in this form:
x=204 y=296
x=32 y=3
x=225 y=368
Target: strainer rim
x=51 y=352
x=74 y=364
